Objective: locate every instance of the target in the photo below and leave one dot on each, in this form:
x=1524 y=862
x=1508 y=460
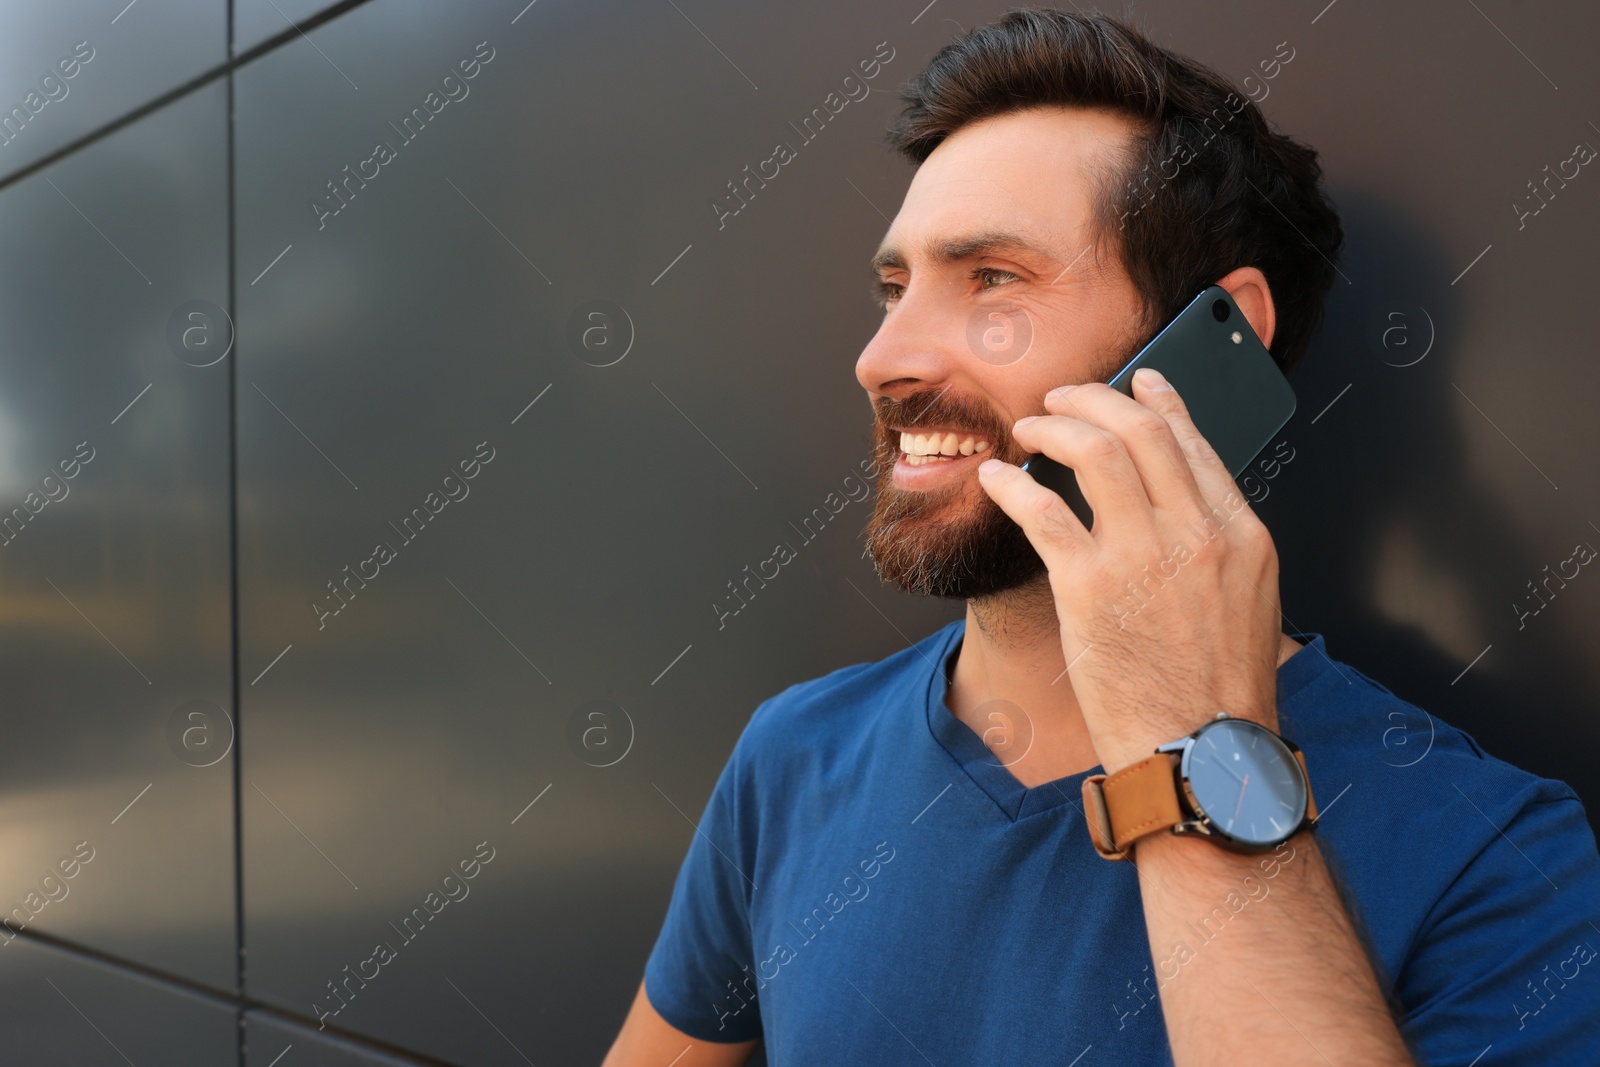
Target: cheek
x=1012 y=393
x=1091 y=336
x=1058 y=356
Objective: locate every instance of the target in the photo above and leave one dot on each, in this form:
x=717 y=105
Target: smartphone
x=1236 y=395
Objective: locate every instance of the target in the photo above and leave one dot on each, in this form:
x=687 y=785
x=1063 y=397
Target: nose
x=918 y=344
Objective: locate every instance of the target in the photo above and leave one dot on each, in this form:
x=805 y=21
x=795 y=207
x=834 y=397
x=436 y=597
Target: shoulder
x=837 y=710
x=1367 y=734
x=1471 y=876
x=1410 y=802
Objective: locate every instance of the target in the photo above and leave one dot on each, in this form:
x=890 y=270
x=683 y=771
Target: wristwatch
x=1232 y=781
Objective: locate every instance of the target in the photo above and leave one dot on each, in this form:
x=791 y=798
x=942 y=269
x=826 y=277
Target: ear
x=1248 y=287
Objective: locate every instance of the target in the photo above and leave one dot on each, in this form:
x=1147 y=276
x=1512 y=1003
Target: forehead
x=1029 y=173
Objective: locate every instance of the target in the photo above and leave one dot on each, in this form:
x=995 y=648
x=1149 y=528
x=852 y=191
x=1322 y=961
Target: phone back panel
x=1236 y=395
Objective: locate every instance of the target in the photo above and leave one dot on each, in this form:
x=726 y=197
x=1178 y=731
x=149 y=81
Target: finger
x=1106 y=475
x=1050 y=525
x=1153 y=390
x=1148 y=437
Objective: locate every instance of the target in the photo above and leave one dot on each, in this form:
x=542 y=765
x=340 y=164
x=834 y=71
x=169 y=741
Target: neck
x=1010 y=687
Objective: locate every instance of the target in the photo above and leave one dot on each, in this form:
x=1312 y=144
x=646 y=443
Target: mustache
x=937 y=407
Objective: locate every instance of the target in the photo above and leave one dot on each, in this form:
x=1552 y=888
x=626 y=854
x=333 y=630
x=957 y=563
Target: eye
x=885 y=292
x=979 y=273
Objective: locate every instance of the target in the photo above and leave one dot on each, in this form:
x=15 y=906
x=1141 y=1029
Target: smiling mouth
x=920 y=449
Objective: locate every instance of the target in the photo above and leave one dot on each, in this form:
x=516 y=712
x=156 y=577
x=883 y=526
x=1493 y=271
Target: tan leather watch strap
x=1139 y=799
x=1311 y=803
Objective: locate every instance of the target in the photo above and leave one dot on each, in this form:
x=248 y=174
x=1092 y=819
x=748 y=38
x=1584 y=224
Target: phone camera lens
x=1219 y=310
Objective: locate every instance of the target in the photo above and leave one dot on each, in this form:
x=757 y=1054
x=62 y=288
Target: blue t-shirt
x=869 y=885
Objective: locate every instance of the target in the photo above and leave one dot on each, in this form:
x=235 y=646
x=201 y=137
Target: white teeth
x=922 y=448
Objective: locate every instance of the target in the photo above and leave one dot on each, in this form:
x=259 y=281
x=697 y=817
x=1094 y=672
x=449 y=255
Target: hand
x=1169 y=605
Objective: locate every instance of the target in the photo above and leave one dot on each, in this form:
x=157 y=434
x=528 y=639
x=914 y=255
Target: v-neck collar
x=1017 y=801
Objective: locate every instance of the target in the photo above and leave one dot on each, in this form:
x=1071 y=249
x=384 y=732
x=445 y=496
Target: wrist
x=1193 y=858
x=1233 y=781
x=1125 y=749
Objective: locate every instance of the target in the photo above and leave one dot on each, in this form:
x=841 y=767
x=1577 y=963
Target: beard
x=955 y=542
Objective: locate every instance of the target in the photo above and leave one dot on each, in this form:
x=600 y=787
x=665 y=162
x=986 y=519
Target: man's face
x=993 y=296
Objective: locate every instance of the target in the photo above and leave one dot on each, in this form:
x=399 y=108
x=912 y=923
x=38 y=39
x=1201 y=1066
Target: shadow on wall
x=1403 y=555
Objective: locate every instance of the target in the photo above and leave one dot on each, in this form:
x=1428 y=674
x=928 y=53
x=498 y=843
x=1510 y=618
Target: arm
x=648 y=1040
x=1287 y=982
x=1292 y=974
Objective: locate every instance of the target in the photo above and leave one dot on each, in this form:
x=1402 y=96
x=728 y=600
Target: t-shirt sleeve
x=696 y=977
x=1506 y=970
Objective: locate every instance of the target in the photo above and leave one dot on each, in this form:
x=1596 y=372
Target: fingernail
x=1152 y=378
x=1058 y=391
x=1020 y=423
x=989 y=466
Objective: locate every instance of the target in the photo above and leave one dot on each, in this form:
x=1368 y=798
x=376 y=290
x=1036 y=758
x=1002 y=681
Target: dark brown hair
x=1205 y=187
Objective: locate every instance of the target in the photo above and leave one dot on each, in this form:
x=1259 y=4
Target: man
x=897 y=865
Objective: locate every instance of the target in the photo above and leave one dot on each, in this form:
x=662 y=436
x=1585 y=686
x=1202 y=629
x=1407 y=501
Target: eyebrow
x=947 y=250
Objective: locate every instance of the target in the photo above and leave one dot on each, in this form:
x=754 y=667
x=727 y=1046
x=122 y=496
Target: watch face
x=1246 y=781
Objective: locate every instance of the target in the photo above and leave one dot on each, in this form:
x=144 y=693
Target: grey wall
x=539 y=674
x=70 y=69
x=114 y=549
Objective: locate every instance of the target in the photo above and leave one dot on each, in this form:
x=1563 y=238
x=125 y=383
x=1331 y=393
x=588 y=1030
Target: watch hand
x=1240 y=802
x=1230 y=770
